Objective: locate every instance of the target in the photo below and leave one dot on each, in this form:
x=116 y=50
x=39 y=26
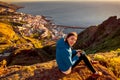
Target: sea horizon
x=83 y=14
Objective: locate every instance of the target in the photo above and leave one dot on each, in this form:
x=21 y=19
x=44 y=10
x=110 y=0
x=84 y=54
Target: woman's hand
x=79 y=52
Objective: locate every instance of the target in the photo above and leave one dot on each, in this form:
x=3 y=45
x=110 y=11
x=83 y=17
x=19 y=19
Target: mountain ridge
x=106 y=32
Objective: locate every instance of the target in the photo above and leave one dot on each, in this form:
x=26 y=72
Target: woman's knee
x=83 y=53
x=67 y=72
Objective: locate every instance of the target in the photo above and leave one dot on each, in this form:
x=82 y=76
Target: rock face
x=96 y=38
x=49 y=71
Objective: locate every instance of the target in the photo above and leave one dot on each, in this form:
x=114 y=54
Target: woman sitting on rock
x=64 y=55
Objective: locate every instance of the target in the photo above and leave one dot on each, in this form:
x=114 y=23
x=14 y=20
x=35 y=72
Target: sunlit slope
x=7 y=32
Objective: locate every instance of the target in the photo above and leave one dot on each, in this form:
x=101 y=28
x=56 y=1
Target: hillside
x=104 y=37
x=21 y=66
x=7 y=35
x=104 y=41
x=6 y=8
x=49 y=71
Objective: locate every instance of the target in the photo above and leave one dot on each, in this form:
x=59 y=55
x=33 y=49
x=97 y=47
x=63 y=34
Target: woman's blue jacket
x=64 y=55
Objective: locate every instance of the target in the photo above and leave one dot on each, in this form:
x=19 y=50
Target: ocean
x=83 y=14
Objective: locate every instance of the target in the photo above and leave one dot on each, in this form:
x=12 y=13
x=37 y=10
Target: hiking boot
x=96 y=74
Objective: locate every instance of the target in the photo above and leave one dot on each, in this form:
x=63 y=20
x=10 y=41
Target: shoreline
x=73 y=27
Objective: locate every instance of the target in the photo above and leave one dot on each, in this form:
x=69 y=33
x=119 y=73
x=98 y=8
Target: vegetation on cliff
x=104 y=37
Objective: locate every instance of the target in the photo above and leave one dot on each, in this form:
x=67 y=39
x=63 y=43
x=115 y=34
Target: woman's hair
x=71 y=34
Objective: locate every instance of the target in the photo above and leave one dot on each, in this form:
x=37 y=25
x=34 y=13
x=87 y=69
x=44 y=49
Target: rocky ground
x=49 y=71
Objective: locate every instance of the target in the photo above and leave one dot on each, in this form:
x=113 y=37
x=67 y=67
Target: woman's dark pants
x=87 y=62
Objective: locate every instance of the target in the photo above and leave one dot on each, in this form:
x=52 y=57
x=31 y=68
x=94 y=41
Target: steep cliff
x=104 y=37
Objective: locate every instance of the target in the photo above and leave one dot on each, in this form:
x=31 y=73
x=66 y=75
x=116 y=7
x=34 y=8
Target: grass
x=111 y=60
x=6 y=36
x=35 y=42
x=106 y=45
x=118 y=78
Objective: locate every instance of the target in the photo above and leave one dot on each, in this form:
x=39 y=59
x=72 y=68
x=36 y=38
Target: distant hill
x=104 y=37
x=6 y=6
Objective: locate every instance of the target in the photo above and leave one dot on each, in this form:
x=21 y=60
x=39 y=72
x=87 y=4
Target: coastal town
x=38 y=27
x=27 y=24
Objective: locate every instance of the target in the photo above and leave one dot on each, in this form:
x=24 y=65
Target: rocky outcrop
x=49 y=71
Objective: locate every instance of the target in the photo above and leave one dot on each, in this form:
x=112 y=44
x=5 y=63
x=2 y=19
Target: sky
x=52 y=0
